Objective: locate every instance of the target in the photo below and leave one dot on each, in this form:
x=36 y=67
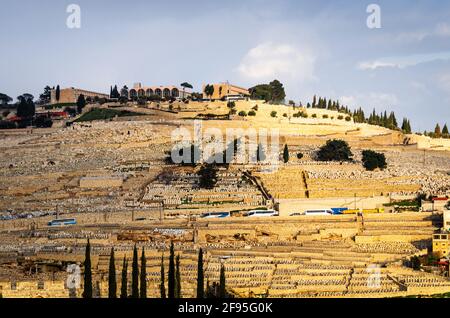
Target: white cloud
x=370 y=100
x=269 y=60
x=442 y=29
x=403 y=61
x=444 y=82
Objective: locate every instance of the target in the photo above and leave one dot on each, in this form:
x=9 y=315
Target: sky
x=322 y=48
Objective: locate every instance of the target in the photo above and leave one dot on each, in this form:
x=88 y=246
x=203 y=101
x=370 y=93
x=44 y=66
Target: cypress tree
x=437 y=131
x=143 y=275
x=87 y=272
x=171 y=278
x=445 y=130
x=177 y=278
x=286 y=154
x=260 y=154
x=200 y=278
x=162 y=286
x=135 y=275
x=57 y=93
x=222 y=287
x=112 y=283
x=124 y=286
x=81 y=103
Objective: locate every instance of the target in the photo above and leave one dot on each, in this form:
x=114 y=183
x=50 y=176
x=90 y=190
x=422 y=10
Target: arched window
x=141 y=93
x=175 y=92
x=158 y=92
x=133 y=93
x=150 y=92
x=166 y=92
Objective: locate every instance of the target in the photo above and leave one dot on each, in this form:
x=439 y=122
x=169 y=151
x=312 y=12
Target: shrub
x=348 y=118
x=335 y=150
x=231 y=104
x=325 y=116
x=299 y=156
x=273 y=114
x=340 y=117
x=284 y=115
x=255 y=108
x=242 y=113
x=314 y=116
x=252 y=113
x=373 y=160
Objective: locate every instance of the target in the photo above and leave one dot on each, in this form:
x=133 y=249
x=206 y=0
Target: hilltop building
x=162 y=91
x=226 y=91
x=441 y=244
x=447 y=220
x=70 y=95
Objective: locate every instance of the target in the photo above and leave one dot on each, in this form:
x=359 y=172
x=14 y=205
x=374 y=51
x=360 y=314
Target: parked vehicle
x=261 y=213
x=215 y=215
x=62 y=222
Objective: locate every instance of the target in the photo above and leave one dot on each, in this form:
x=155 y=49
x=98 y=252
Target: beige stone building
x=447 y=220
x=226 y=91
x=70 y=95
x=441 y=244
x=169 y=91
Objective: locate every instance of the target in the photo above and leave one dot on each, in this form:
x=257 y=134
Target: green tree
x=87 y=293
x=162 y=286
x=222 y=284
x=177 y=278
x=112 y=283
x=5 y=99
x=335 y=150
x=45 y=97
x=135 y=274
x=143 y=286
x=186 y=85
x=286 y=154
x=208 y=176
x=57 y=93
x=437 y=131
x=124 y=285
x=200 y=276
x=373 y=160
x=406 y=126
x=124 y=92
x=115 y=92
x=415 y=263
x=26 y=107
x=273 y=114
x=445 y=130
x=81 y=103
x=171 y=275
x=261 y=92
x=209 y=90
x=278 y=93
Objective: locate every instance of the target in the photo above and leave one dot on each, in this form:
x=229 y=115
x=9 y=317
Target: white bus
x=322 y=212
x=215 y=215
x=261 y=213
